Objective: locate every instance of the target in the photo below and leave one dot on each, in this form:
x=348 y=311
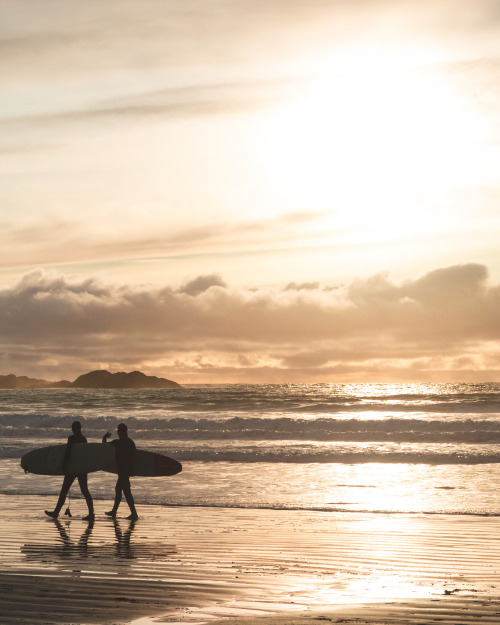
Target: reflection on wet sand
x=81 y=547
x=123 y=547
x=100 y=551
x=104 y=562
x=231 y=561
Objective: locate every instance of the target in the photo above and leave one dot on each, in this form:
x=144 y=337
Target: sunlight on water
x=378 y=587
x=371 y=487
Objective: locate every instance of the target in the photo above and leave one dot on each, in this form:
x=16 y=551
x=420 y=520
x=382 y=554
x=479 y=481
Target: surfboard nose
x=166 y=466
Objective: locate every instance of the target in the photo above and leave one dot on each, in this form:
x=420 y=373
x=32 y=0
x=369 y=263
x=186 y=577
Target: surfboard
x=84 y=458
x=148 y=464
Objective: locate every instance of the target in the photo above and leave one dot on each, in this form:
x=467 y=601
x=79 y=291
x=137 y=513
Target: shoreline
x=190 y=565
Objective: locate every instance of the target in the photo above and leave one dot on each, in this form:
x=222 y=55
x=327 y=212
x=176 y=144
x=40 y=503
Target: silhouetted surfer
x=125 y=448
x=76 y=437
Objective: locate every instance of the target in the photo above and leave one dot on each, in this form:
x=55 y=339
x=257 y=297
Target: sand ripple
x=193 y=565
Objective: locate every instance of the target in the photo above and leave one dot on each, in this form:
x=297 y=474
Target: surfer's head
x=76 y=426
x=122 y=429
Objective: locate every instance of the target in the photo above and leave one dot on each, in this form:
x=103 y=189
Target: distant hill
x=21 y=382
x=135 y=379
x=93 y=379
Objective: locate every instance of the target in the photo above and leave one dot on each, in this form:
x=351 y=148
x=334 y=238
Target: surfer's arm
x=67 y=452
x=105 y=437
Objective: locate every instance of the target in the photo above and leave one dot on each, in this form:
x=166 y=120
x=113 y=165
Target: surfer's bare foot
x=52 y=515
x=111 y=514
x=133 y=517
x=89 y=517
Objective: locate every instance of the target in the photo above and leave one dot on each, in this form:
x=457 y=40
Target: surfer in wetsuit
x=125 y=448
x=76 y=437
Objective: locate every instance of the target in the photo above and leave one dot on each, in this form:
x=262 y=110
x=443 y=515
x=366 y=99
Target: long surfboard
x=148 y=464
x=84 y=458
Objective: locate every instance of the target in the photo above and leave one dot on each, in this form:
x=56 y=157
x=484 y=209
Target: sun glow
x=369 y=143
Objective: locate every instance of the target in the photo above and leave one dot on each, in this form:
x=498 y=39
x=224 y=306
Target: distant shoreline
x=93 y=379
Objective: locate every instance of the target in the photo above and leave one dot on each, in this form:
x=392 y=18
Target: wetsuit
x=69 y=479
x=125 y=449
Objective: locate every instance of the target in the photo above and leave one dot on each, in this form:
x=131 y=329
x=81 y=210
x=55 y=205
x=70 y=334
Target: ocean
x=391 y=448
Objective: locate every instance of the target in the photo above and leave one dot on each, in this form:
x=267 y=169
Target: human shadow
x=81 y=547
x=66 y=548
x=99 y=550
x=124 y=549
x=94 y=565
x=128 y=549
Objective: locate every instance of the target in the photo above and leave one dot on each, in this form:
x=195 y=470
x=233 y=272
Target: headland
x=93 y=379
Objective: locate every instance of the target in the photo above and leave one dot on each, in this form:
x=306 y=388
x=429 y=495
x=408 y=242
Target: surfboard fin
x=68 y=512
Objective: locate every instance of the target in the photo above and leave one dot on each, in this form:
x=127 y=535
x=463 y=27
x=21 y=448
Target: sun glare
x=371 y=142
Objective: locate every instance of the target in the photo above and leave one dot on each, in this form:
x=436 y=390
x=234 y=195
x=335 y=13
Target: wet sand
x=219 y=565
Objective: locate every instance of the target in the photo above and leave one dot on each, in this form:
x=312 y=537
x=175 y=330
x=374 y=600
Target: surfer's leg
x=127 y=491
x=82 y=480
x=118 y=498
x=66 y=485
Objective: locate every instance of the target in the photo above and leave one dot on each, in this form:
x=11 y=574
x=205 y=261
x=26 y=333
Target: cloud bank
x=441 y=326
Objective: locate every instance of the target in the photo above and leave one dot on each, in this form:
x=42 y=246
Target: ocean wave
x=231 y=505
x=325 y=429
x=305 y=454
x=332 y=457
x=264 y=400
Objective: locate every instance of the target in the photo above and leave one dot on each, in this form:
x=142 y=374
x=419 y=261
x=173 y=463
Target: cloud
x=450 y=287
x=117 y=39
x=118 y=236
x=193 y=100
x=446 y=319
x=202 y=284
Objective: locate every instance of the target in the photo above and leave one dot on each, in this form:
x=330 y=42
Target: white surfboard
x=84 y=458
x=149 y=464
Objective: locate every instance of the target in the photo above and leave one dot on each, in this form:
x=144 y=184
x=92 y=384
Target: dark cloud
x=446 y=319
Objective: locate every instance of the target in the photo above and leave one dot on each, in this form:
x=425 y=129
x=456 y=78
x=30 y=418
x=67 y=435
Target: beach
x=296 y=504
x=204 y=565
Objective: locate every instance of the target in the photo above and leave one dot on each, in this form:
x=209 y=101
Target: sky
x=251 y=191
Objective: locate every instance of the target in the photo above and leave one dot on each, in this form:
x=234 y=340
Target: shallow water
x=393 y=448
